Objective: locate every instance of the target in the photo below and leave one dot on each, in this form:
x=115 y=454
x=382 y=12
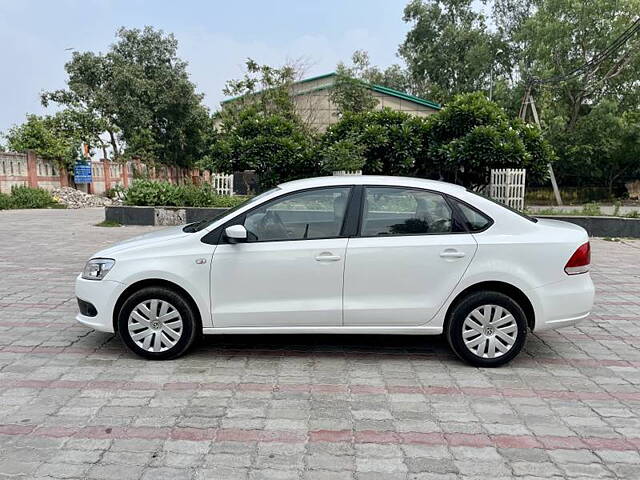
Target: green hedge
x=26 y=197
x=152 y=193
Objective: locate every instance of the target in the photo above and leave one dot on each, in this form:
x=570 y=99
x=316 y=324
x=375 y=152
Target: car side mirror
x=236 y=233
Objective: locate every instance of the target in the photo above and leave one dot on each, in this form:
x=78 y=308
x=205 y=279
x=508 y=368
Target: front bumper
x=564 y=303
x=103 y=295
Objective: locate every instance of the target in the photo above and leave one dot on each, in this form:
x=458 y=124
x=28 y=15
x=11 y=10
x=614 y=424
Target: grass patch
x=108 y=223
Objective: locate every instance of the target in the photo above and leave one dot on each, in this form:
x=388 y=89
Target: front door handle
x=327 y=257
x=451 y=253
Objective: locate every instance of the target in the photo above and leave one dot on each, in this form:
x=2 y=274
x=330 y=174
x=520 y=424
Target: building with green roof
x=311 y=97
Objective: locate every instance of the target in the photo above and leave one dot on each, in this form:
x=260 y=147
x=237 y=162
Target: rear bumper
x=564 y=303
x=103 y=295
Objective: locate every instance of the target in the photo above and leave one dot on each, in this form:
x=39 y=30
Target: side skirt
x=420 y=330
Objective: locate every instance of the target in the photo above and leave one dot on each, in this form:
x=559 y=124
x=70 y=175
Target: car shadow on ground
x=327 y=344
x=361 y=346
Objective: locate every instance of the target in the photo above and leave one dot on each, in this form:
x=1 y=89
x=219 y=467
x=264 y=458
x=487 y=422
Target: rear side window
x=400 y=211
x=475 y=221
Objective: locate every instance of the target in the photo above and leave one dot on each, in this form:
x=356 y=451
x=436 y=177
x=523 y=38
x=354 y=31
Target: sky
x=215 y=37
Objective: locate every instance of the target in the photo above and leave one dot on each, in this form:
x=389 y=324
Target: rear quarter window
x=475 y=221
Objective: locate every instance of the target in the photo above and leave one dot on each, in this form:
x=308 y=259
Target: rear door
x=410 y=254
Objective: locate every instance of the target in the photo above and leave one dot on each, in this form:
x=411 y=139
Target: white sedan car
x=350 y=254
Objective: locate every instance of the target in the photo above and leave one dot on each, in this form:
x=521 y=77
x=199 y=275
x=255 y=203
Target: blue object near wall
x=82 y=173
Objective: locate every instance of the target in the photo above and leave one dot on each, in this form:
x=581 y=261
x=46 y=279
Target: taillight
x=580 y=260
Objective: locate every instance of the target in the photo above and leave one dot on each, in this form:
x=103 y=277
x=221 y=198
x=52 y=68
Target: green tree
x=49 y=136
x=603 y=148
x=88 y=100
x=558 y=36
x=343 y=155
x=472 y=135
x=262 y=87
x=140 y=91
x=350 y=94
x=275 y=146
x=392 y=142
x=351 y=91
x=449 y=49
x=393 y=76
x=259 y=129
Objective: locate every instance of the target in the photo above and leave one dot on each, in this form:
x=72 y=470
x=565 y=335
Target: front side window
x=317 y=213
x=403 y=211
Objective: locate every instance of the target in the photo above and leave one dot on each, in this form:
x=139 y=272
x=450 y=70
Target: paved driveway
x=74 y=403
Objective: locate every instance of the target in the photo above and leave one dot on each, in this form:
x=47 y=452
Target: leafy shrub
x=343 y=155
x=147 y=192
x=150 y=193
x=196 y=195
x=6 y=202
x=27 y=197
x=114 y=192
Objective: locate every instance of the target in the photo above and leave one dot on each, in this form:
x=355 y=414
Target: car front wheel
x=487 y=329
x=157 y=323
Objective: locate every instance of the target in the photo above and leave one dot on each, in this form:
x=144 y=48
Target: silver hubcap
x=155 y=325
x=489 y=331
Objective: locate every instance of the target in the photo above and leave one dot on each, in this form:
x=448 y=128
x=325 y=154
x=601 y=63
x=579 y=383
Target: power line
x=622 y=39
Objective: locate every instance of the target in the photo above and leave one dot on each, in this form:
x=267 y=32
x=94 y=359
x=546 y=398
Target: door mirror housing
x=236 y=234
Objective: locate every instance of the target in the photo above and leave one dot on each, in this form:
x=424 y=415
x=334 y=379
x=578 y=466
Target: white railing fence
x=222 y=183
x=346 y=172
x=507 y=186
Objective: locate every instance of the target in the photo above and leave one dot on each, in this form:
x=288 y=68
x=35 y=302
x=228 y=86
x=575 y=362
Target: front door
x=410 y=255
x=290 y=271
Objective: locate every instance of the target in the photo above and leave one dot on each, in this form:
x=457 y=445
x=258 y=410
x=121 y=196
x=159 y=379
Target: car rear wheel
x=487 y=329
x=157 y=323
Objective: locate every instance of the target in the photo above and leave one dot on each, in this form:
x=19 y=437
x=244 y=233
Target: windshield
x=205 y=222
x=523 y=215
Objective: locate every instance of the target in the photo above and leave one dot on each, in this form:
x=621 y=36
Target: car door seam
x=446 y=301
x=344 y=269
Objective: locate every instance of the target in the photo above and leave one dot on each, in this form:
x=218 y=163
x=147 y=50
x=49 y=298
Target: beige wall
x=316 y=109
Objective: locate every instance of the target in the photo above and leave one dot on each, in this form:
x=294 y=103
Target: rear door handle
x=451 y=253
x=327 y=257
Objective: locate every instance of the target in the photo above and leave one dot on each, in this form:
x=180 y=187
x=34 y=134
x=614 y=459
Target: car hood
x=142 y=241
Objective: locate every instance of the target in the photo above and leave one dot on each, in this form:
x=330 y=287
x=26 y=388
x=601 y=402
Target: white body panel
x=381 y=285
x=403 y=280
x=278 y=284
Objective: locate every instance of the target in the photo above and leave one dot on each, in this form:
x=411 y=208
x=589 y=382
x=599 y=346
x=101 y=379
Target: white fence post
x=222 y=184
x=338 y=173
x=508 y=186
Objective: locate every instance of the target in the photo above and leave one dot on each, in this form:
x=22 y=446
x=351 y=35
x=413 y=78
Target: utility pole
x=493 y=62
x=529 y=103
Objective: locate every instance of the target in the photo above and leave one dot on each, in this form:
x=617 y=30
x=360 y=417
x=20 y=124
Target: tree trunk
x=114 y=145
x=575 y=112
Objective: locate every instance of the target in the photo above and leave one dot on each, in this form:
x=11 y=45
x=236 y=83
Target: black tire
x=190 y=327
x=455 y=325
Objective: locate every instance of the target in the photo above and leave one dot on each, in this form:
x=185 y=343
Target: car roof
x=371 y=180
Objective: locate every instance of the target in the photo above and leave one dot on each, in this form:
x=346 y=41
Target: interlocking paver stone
x=76 y=404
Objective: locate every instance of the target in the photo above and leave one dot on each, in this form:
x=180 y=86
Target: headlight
x=97 y=268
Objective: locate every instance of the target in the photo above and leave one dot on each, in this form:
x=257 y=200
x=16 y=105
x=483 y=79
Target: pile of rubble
x=73 y=198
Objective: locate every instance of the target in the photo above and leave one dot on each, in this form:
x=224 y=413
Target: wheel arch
x=496 y=286
x=155 y=282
